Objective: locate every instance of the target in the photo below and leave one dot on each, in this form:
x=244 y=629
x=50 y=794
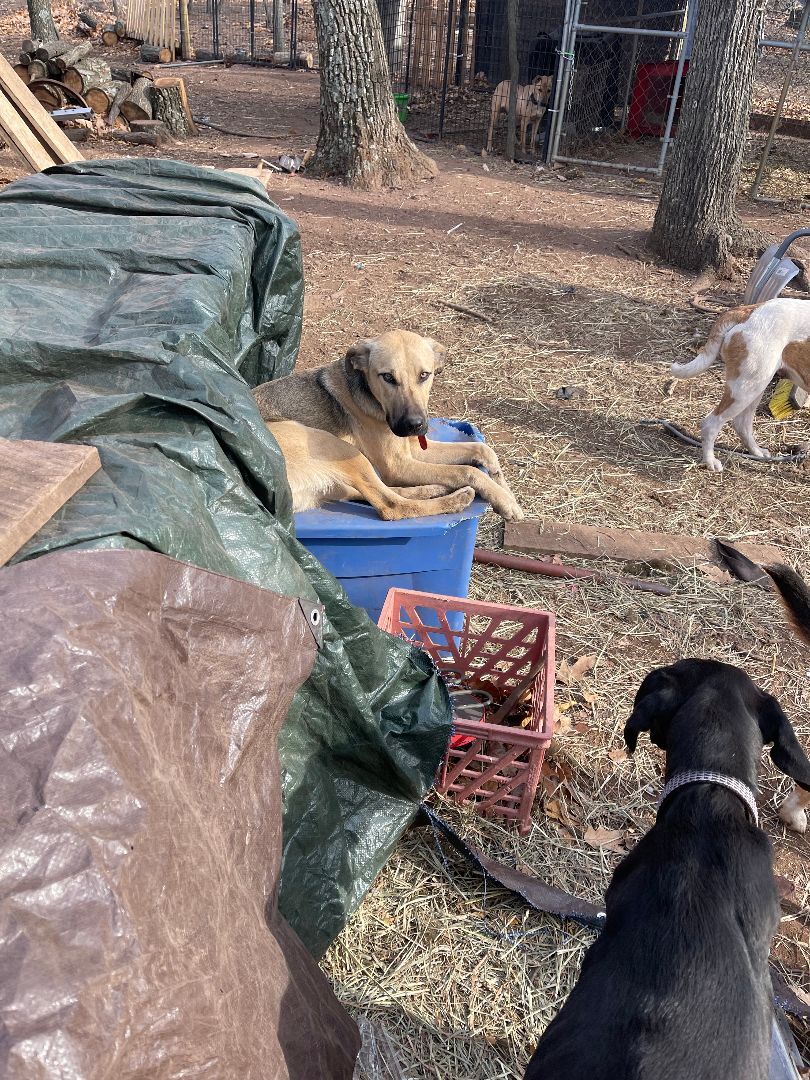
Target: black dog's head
x=708 y=715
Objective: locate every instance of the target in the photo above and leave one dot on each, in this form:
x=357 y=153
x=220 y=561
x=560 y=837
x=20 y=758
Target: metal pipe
x=450 y=14
x=514 y=75
x=607 y=164
x=252 y=32
x=631 y=72
x=567 y=67
x=461 y=52
x=764 y=43
x=777 y=116
x=562 y=570
x=627 y=31
x=410 y=47
x=676 y=89
x=651 y=15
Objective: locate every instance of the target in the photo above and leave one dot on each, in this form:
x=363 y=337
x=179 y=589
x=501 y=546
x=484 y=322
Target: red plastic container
x=649 y=104
x=495 y=766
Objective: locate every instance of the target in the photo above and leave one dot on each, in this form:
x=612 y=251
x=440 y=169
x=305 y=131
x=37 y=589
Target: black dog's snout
x=409 y=425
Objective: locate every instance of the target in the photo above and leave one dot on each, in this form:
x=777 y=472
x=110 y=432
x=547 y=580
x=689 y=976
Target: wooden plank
x=47 y=130
x=21 y=137
x=36 y=479
x=625 y=545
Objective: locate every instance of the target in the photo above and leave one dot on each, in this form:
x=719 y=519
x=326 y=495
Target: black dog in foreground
x=676 y=987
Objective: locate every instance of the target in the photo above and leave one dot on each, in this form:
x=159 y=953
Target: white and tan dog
x=356 y=429
x=755 y=343
x=532 y=102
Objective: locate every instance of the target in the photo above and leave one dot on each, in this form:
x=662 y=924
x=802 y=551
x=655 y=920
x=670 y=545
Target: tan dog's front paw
x=510 y=510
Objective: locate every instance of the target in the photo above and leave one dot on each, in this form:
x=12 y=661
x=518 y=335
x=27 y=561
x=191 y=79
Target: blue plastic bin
x=369 y=556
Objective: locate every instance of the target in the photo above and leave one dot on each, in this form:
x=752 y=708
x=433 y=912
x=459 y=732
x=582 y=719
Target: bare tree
x=697 y=226
x=43 y=28
x=361 y=138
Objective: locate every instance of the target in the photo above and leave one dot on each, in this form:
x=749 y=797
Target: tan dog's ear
x=440 y=354
x=359 y=354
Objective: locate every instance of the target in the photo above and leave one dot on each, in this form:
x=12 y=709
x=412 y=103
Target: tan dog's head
x=398 y=369
x=541 y=89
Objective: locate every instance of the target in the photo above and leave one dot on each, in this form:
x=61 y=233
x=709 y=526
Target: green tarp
x=139 y=301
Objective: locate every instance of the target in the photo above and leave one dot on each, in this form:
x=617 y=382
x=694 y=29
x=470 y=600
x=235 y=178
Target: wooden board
x=47 y=131
x=36 y=479
x=626 y=545
x=21 y=137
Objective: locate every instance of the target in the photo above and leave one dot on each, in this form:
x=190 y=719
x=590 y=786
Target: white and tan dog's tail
x=710 y=352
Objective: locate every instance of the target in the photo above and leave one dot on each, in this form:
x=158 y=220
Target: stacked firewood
x=138 y=106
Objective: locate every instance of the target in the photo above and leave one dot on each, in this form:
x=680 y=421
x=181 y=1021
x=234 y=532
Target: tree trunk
x=279 y=37
x=361 y=138
x=43 y=28
x=171 y=106
x=696 y=225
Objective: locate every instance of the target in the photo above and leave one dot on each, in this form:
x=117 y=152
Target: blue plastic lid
x=351 y=519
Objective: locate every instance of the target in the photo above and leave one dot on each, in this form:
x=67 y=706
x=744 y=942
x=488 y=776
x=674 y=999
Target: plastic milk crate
x=369 y=556
x=496 y=766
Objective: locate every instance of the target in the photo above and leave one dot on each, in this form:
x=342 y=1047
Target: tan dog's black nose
x=410 y=424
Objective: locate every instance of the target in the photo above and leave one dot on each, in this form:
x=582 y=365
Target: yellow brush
x=786 y=400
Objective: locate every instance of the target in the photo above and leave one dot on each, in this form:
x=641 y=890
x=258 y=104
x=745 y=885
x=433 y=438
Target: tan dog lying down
x=352 y=430
x=755 y=343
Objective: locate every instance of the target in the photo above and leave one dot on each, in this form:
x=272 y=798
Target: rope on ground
x=685 y=437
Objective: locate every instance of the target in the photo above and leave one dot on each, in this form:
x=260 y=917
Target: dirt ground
x=460 y=980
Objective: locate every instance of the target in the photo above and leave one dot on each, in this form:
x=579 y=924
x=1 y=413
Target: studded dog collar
x=698 y=776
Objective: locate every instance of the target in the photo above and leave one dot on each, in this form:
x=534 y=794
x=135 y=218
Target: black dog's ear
x=786 y=753
x=655 y=702
x=440 y=353
x=358 y=355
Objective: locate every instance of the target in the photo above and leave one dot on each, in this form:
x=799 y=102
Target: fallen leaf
x=590 y=698
x=562 y=722
x=784 y=886
x=581 y=728
x=604 y=838
x=618 y=755
x=568 y=674
x=715 y=573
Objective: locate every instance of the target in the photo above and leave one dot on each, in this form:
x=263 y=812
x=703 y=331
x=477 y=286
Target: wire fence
x=625 y=69
x=778 y=159
x=449 y=57
x=269 y=30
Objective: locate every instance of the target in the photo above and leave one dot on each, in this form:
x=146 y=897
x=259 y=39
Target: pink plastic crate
x=497 y=767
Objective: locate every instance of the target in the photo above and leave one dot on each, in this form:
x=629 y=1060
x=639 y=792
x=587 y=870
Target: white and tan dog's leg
x=793 y=810
x=738 y=406
x=744 y=426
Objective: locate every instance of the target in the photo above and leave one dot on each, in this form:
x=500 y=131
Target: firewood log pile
x=131 y=104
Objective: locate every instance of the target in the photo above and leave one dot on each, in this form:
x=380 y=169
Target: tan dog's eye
x=425 y=375
x=386 y=376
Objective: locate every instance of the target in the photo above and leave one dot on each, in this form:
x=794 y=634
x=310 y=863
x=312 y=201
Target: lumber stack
x=28 y=127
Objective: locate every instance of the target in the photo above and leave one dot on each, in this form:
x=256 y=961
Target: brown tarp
x=140 y=828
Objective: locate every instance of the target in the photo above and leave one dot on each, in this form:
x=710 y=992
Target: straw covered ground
x=451 y=980
x=456 y=979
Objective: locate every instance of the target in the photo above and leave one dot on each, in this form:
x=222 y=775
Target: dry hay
x=460 y=977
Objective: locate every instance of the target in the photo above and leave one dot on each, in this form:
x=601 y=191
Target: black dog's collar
x=697 y=776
